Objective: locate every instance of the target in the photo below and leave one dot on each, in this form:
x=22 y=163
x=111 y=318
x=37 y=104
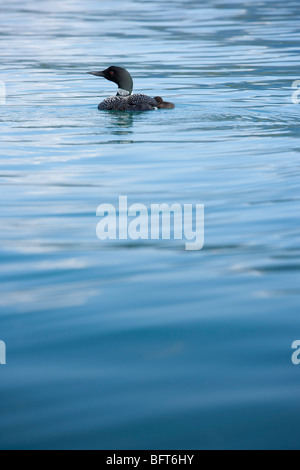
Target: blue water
x=134 y=345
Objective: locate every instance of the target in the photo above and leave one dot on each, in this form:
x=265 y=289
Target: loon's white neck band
x=123 y=92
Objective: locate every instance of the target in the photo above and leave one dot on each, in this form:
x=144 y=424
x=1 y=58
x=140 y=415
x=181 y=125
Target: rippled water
x=146 y=346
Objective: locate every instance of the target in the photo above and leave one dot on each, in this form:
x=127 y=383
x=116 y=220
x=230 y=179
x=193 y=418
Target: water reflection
x=120 y=123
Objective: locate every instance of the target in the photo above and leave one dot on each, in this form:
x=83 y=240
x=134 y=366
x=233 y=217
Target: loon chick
x=125 y=100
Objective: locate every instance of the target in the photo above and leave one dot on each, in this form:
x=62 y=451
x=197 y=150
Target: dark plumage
x=125 y=100
x=128 y=103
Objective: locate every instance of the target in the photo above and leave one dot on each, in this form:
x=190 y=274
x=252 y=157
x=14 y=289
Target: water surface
x=143 y=345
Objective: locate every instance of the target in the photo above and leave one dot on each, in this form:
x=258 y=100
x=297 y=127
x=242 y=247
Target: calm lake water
x=143 y=345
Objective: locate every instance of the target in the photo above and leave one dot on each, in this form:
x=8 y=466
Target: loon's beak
x=97 y=74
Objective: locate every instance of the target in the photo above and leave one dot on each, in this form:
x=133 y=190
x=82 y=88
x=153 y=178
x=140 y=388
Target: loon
x=125 y=100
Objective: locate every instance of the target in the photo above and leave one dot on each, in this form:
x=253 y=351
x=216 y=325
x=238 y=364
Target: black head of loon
x=119 y=76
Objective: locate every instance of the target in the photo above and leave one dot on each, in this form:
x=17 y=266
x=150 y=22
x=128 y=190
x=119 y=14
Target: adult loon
x=125 y=100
